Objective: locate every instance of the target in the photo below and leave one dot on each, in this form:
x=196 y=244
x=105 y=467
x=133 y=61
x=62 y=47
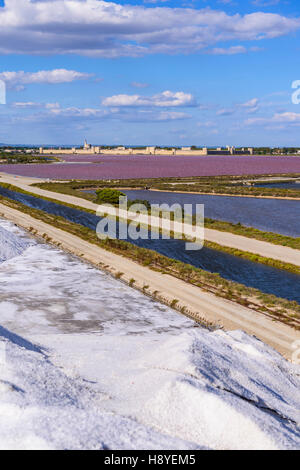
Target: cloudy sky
x=165 y=72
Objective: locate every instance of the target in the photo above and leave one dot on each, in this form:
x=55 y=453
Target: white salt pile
x=10 y=245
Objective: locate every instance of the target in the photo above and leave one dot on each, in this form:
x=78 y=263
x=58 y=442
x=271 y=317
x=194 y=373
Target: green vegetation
x=250 y=232
x=112 y=196
x=276 y=151
x=254 y=257
x=280 y=309
x=19 y=157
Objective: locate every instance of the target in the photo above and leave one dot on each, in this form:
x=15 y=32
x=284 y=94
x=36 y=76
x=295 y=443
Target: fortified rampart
x=97 y=150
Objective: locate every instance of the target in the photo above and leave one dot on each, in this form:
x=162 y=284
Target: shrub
x=110 y=196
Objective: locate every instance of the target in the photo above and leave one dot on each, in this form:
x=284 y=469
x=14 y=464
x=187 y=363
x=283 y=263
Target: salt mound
x=10 y=245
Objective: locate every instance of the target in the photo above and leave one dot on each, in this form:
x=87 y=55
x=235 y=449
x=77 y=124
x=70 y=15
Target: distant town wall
x=97 y=150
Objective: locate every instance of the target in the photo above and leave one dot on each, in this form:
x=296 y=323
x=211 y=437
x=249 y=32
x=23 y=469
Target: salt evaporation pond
x=271 y=215
x=95 y=364
x=155 y=166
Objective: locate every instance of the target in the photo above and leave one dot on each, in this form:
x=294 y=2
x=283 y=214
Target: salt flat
x=92 y=363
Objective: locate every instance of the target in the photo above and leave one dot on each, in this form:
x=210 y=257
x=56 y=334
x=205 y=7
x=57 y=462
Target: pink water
x=141 y=166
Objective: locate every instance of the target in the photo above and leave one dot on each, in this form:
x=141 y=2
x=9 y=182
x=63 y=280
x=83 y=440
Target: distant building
x=151 y=150
x=86 y=146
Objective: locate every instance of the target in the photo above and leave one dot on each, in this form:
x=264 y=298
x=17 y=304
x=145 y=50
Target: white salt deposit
x=88 y=363
x=10 y=245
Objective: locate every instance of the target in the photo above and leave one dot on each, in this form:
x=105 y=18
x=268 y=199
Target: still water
x=270 y=215
x=294 y=186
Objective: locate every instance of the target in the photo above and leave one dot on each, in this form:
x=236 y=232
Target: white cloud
x=139 y=116
x=107 y=29
x=170 y=116
x=78 y=112
x=53 y=112
x=32 y=104
x=250 y=104
x=24 y=105
x=164 y=99
x=287 y=117
x=52 y=106
x=17 y=80
x=225 y=112
x=233 y=50
x=278 y=118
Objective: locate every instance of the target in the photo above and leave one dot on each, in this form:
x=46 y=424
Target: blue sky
x=154 y=72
